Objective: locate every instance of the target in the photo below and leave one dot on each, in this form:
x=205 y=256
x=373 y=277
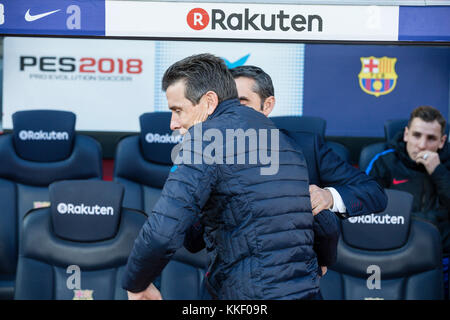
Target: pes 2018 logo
x=81 y=65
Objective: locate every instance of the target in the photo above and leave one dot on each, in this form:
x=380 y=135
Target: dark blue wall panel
x=332 y=91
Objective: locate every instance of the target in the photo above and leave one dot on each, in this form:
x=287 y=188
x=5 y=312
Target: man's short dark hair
x=202 y=73
x=263 y=82
x=428 y=114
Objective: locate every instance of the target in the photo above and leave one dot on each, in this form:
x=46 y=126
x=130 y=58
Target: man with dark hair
x=418 y=161
x=258 y=227
x=255 y=88
x=199 y=76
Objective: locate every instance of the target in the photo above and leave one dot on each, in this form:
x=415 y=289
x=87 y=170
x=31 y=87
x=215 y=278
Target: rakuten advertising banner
x=108 y=84
x=251 y=21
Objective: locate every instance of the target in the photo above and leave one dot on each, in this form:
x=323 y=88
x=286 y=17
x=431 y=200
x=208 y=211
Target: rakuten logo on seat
x=43 y=135
x=157 y=138
x=70 y=208
x=377 y=219
x=199 y=19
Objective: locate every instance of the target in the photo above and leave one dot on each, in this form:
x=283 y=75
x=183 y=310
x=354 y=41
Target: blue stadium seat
x=142 y=165
x=43 y=148
x=142 y=162
x=391 y=128
x=77 y=248
x=310 y=124
x=386 y=256
x=340 y=150
x=369 y=152
x=184 y=277
x=304 y=123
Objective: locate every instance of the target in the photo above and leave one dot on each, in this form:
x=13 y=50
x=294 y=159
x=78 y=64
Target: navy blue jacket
x=258 y=228
x=361 y=194
x=431 y=192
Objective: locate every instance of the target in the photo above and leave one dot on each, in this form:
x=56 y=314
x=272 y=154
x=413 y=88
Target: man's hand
x=321 y=199
x=151 y=293
x=324 y=270
x=429 y=159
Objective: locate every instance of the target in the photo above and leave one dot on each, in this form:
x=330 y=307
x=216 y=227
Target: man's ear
x=212 y=101
x=268 y=105
x=405 y=134
x=443 y=140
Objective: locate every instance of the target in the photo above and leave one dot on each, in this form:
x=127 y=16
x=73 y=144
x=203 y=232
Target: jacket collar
x=223 y=107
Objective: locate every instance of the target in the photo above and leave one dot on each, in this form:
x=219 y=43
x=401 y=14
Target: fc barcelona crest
x=377 y=76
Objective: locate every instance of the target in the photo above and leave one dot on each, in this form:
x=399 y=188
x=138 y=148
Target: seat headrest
x=309 y=124
x=43 y=135
x=392 y=127
x=86 y=210
x=382 y=231
x=156 y=138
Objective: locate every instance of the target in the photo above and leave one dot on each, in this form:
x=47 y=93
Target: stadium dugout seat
x=142 y=164
x=78 y=248
x=312 y=125
x=386 y=256
x=391 y=128
x=368 y=154
x=42 y=148
x=304 y=123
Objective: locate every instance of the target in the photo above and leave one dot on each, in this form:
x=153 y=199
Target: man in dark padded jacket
x=418 y=161
x=255 y=208
x=336 y=187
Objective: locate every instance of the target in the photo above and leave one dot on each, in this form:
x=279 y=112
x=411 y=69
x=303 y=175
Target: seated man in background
x=418 y=162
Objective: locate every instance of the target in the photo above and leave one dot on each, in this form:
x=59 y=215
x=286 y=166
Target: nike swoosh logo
x=237 y=63
x=30 y=18
x=395 y=181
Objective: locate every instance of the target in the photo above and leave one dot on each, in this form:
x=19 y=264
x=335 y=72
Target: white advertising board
x=251 y=21
x=108 y=84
